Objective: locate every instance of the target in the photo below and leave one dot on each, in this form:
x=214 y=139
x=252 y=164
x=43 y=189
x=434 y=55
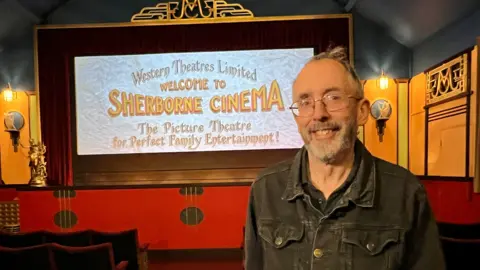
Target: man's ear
x=363 y=111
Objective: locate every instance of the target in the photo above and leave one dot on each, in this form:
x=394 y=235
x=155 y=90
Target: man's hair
x=339 y=54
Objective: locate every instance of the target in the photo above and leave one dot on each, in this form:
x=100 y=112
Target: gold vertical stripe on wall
x=37 y=86
x=361 y=129
x=402 y=106
x=360 y=134
x=33 y=117
x=475 y=86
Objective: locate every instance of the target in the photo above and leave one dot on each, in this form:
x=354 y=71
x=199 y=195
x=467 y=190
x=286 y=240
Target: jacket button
x=317 y=253
x=370 y=246
x=278 y=241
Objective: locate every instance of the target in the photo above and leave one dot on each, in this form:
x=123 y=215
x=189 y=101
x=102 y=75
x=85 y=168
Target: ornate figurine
x=37 y=164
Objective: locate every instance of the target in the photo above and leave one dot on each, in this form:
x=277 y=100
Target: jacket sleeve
x=424 y=249
x=253 y=249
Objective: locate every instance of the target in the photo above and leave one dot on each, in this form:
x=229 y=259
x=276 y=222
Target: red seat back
x=95 y=257
x=27 y=258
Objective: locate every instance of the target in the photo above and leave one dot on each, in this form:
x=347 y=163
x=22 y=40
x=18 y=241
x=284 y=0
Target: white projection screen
x=187 y=102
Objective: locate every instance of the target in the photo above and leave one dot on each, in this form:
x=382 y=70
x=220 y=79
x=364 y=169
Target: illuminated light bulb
x=8 y=95
x=383 y=81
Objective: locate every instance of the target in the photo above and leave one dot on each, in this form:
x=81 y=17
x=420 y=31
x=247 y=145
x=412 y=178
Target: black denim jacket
x=382 y=222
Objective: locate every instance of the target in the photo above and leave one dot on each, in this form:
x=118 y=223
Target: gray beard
x=327 y=153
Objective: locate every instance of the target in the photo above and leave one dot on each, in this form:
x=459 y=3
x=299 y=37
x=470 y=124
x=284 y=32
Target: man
x=334 y=206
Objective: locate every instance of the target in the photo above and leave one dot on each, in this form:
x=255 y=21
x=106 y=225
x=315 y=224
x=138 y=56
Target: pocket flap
x=371 y=241
x=278 y=233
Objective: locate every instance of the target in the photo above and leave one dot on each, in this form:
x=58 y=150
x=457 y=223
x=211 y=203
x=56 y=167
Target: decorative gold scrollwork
x=448 y=80
x=191 y=9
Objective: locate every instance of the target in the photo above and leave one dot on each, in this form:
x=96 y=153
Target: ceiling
x=410 y=22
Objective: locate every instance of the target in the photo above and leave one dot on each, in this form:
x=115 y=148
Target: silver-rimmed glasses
x=305 y=107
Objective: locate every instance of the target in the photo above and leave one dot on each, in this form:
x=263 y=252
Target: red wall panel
x=453 y=201
x=7 y=194
x=154 y=212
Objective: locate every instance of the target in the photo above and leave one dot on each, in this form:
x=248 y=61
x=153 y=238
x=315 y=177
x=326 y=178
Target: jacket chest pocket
x=281 y=244
x=378 y=249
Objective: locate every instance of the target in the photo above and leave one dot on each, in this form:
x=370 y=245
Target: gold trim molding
x=191 y=9
x=448 y=80
x=476 y=173
x=199 y=21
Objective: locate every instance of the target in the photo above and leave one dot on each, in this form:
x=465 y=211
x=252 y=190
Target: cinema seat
x=461 y=253
x=94 y=257
x=27 y=258
x=125 y=247
x=461 y=245
x=16 y=240
x=71 y=239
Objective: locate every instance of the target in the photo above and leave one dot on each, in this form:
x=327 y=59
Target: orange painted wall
x=387 y=149
x=14 y=165
x=446 y=140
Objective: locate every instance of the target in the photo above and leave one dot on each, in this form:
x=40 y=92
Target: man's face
x=326 y=132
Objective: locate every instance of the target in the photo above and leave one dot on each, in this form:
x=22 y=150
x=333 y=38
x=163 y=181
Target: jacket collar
x=361 y=191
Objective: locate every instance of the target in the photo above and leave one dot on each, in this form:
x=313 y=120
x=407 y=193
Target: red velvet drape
x=56 y=48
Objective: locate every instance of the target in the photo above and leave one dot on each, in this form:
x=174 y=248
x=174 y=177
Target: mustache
x=324 y=126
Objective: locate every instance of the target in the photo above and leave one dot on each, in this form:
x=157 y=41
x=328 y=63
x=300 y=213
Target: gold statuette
x=37 y=164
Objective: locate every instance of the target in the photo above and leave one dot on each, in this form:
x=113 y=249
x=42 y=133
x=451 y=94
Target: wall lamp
x=381 y=111
x=14 y=122
x=8 y=94
x=383 y=81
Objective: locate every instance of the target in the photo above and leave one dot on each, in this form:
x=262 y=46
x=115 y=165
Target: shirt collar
x=362 y=189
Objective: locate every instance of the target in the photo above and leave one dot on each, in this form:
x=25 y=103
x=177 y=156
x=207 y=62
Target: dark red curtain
x=56 y=48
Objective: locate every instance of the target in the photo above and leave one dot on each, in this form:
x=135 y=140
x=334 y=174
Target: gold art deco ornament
x=447 y=80
x=38 y=166
x=191 y=9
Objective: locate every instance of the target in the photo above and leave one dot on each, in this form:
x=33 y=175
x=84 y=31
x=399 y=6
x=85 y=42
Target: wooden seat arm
x=122 y=265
